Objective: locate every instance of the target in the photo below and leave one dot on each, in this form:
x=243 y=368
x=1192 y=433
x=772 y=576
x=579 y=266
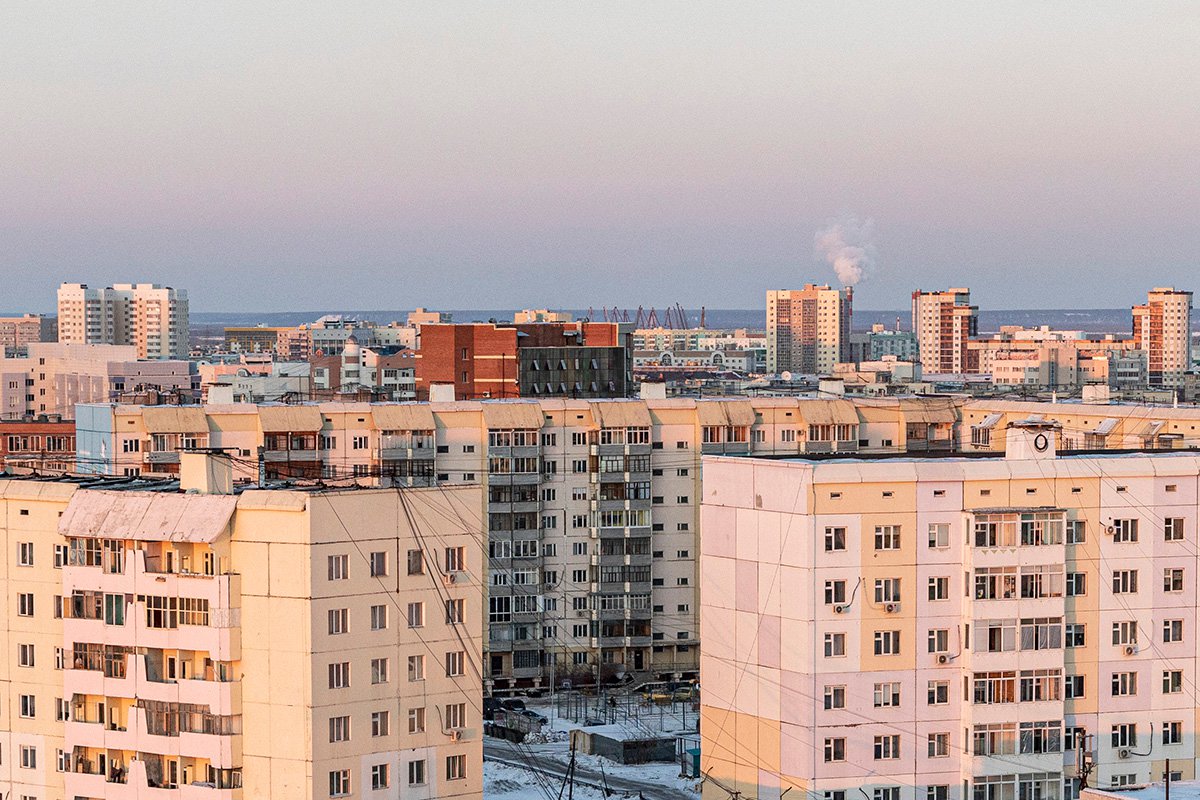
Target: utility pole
x=262 y=468
x=1167 y=781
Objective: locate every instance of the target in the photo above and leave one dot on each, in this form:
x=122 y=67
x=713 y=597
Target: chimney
x=205 y=473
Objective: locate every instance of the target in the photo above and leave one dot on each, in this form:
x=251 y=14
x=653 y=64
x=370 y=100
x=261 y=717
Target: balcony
x=297 y=456
x=222 y=697
x=162 y=457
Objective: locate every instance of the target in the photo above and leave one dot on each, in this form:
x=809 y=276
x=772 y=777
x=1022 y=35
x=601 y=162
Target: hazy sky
x=514 y=154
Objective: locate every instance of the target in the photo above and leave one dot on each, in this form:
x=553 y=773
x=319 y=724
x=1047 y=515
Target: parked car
x=513 y=704
x=533 y=715
x=490 y=706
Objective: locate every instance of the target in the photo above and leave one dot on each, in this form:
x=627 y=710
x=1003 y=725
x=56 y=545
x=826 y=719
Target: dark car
x=513 y=704
x=533 y=715
x=490 y=706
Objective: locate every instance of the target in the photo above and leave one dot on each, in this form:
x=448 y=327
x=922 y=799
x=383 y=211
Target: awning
x=621 y=413
x=175 y=419
x=1105 y=427
x=501 y=415
x=403 y=416
x=740 y=412
x=711 y=412
x=934 y=411
x=149 y=516
x=1153 y=428
x=828 y=412
x=987 y=422
x=289 y=419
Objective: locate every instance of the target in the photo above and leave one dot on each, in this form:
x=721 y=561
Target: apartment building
x=948 y=629
x=43 y=443
x=541 y=359
x=1083 y=426
x=943 y=322
x=1053 y=359
x=52 y=377
x=180 y=640
x=1162 y=328
x=151 y=318
x=17 y=332
x=808 y=330
x=592 y=506
x=359 y=372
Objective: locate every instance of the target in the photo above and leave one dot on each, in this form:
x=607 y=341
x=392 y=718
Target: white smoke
x=847 y=246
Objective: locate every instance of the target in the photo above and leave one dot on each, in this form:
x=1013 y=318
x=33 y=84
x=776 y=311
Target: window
x=1173 y=529
x=887 y=747
x=1124 y=632
x=1172 y=733
x=939 y=588
x=28 y=706
x=1076 y=531
x=454 y=611
x=939 y=745
x=339 y=729
x=454 y=663
x=1172 y=630
x=379 y=618
x=339 y=567
x=25 y=656
x=455 y=716
x=1125 y=530
x=887 y=695
x=887 y=643
x=939 y=640
x=994 y=687
x=416 y=720
x=887 y=590
x=379 y=670
x=416 y=773
x=835 y=592
x=1076 y=584
x=378 y=564
x=1076 y=634
x=381 y=723
x=938 y=792
x=835 y=750
x=338 y=621
x=939 y=535
x=28 y=757
x=1041 y=633
x=886 y=793
x=938 y=693
x=24 y=554
x=455 y=559
x=416 y=615
x=416 y=668
x=456 y=767
x=1124 y=735
x=835 y=539
x=25 y=604
x=887 y=537
x=1124 y=581
x=1172 y=579
x=1124 y=684
x=416 y=563
x=379 y=776
x=1040 y=685
x=339 y=675
x=835 y=645
x=835 y=697
x=1073 y=686
x=1041 y=737
x=339 y=783
x=1172 y=681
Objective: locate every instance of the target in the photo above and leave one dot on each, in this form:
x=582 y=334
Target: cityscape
x=340 y=458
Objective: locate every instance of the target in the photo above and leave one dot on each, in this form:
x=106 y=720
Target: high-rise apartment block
x=180 y=640
x=943 y=322
x=152 y=318
x=18 y=332
x=1162 y=329
x=808 y=330
x=965 y=629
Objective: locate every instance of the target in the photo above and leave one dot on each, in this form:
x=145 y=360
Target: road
x=552 y=759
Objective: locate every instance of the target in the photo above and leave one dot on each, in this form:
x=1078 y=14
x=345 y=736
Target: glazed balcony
x=136 y=680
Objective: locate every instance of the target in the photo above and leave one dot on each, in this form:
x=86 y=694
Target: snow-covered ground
x=504 y=782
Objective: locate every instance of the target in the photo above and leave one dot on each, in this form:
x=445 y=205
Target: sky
x=500 y=155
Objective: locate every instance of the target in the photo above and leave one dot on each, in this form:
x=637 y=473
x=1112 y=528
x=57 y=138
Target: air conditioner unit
x=892 y=608
x=582 y=613
x=450 y=578
x=1131 y=650
x=1110 y=530
x=839 y=609
x=1124 y=752
x=943 y=659
x=455 y=734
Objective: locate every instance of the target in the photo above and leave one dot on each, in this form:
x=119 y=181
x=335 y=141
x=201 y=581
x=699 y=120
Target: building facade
x=963 y=628
x=808 y=330
x=156 y=655
x=943 y=322
x=17 y=332
x=151 y=318
x=1162 y=329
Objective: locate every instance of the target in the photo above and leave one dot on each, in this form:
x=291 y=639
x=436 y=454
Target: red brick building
x=45 y=444
x=498 y=360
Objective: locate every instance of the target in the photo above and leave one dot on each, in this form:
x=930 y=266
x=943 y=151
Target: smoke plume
x=847 y=246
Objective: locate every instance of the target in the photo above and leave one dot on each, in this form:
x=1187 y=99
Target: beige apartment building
x=592 y=506
x=1083 y=426
x=151 y=318
x=943 y=323
x=808 y=330
x=17 y=332
x=183 y=641
x=949 y=629
x=1162 y=329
